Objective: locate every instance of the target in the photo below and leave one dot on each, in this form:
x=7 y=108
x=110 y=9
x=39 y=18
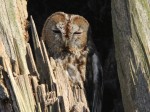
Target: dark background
x=98 y=13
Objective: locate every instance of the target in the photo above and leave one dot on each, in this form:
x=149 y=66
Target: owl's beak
x=66 y=47
x=66 y=43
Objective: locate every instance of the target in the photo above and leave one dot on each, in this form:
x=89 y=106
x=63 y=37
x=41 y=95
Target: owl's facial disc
x=72 y=36
x=70 y=33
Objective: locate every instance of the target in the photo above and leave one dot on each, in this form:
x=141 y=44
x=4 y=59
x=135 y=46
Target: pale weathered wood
x=48 y=71
x=20 y=94
x=31 y=63
x=12 y=26
x=38 y=52
x=16 y=91
x=131 y=28
x=26 y=91
x=21 y=85
x=35 y=84
x=42 y=94
x=11 y=93
x=12 y=52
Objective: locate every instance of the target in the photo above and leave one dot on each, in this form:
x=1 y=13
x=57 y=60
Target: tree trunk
x=131 y=29
x=14 y=71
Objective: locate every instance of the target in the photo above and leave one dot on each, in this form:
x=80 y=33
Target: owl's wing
x=94 y=76
x=94 y=84
x=97 y=84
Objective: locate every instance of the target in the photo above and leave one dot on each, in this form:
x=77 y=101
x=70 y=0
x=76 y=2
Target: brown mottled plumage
x=67 y=39
x=65 y=34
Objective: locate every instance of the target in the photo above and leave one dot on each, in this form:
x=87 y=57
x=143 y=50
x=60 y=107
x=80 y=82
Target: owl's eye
x=56 y=31
x=77 y=32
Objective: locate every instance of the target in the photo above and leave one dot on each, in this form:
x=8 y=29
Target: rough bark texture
x=16 y=92
x=13 y=15
x=131 y=29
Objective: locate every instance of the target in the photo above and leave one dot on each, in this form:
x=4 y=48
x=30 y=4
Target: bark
x=15 y=84
x=131 y=30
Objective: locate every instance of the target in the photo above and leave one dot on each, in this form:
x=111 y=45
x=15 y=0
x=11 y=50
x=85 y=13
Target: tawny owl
x=67 y=38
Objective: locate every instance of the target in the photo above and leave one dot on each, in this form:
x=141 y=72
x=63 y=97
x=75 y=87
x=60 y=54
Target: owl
x=67 y=38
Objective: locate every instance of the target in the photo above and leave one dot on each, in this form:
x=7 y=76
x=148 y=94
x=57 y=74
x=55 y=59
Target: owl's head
x=65 y=33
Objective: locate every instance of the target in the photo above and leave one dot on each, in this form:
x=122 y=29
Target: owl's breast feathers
x=75 y=64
